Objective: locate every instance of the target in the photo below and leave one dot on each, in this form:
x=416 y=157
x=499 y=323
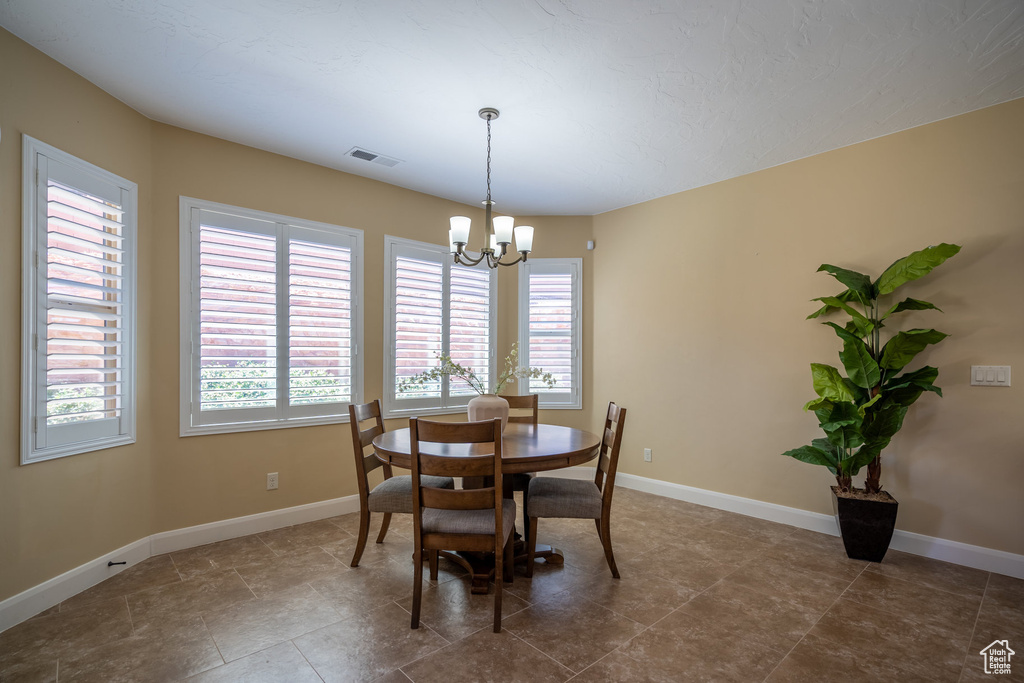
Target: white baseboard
x=189 y=537
x=965 y=554
x=31 y=602
x=20 y=607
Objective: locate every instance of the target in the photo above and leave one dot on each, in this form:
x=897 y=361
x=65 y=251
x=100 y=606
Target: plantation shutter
x=80 y=309
x=469 y=327
x=238 y=317
x=419 y=320
x=550 y=328
x=435 y=308
x=319 y=323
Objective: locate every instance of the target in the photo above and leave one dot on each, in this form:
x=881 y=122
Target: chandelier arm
x=463 y=259
x=522 y=258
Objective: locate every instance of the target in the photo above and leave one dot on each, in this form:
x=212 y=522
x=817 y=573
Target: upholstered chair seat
x=395 y=494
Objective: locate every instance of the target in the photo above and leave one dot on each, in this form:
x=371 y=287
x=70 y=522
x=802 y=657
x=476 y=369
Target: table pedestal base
x=481 y=565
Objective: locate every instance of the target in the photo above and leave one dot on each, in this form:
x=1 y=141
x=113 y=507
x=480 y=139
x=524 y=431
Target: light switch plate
x=990 y=375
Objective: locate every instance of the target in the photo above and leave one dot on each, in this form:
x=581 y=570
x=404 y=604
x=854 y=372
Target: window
x=434 y=307
x=270 y=320
x=550 y=333
x=78 y=307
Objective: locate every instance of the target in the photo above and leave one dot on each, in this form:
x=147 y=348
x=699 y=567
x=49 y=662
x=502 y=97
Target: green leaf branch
x=447 y=367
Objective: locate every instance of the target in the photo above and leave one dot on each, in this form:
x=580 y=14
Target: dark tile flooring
x=705 y=595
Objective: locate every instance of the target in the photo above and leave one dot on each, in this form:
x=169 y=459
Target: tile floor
x=705 y=595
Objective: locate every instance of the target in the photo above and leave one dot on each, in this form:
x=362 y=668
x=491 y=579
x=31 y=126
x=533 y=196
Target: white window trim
x=574 y=400
x=33 y=310
x=389 y=403
x=186 y=205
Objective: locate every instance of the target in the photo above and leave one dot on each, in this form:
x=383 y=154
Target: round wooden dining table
x=524 y=448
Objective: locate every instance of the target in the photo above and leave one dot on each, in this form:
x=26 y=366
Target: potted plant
x=861 y=412
x=487 y=404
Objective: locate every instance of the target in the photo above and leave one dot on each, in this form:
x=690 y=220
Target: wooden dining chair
x=527 y=402
x=580 y=498
x=473 y=520
x=521 y=481
x=392 y=495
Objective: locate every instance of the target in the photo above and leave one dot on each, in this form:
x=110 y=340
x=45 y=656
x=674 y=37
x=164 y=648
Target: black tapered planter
x=866 y=525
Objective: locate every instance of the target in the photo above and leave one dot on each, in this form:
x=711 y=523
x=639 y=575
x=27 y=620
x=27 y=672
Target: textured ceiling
x=604 y=103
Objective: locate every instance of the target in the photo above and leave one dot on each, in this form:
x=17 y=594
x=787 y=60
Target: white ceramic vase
x=488 y=407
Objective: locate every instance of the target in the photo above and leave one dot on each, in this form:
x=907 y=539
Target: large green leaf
x=909 y=304
x=921 y=377
x=844 y=296
x=907 y=388
x=842 y=332
x=817 y=404
x=863 y=325
x=863 y=457
x=841 y=415
x=858 y=283
x=841 y=425
x=860 y=366
x=902 y=348
x=823 y=444
x=883 y=423
x=815 y=456
x=914 y=266
x=828 y=383
x=907 y=395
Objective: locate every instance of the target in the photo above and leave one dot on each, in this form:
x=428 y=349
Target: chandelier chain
x=488 y=159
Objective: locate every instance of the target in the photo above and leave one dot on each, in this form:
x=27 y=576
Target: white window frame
x=573 y=267
x=40 y=442
x=192 y=421
x=392 y=407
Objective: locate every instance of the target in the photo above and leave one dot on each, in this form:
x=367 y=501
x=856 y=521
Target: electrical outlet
x=647 y=455
x=271 y=481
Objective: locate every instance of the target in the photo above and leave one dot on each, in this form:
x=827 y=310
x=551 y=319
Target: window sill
x=233 y=427
x=397 y=414
x=76 y=448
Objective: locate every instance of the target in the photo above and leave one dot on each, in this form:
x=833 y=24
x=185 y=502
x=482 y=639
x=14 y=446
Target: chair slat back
x=422 y=432
x=608 y=461
x=362 y=438
x=528 y=402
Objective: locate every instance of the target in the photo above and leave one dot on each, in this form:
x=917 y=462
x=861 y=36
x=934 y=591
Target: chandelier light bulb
x=524 y=239
x=503 y=229
x=459 y=234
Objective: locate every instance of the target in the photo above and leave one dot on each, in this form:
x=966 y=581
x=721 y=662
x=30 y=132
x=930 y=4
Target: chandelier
x=496 y=243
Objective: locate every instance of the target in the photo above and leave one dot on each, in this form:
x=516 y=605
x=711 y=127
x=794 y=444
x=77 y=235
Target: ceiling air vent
x=367 y=155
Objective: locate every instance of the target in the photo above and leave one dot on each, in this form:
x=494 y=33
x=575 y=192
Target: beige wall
x=58 y=514
x=701 y=299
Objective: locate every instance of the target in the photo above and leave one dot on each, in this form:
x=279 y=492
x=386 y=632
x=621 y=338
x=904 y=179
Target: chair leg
x=605 y=532
x=499 y=561
x=510 y=558
x=526 y=515
x=417 y=587
x=364 y=531
x=384 y=527
x=531 y=546
x=432 y=558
